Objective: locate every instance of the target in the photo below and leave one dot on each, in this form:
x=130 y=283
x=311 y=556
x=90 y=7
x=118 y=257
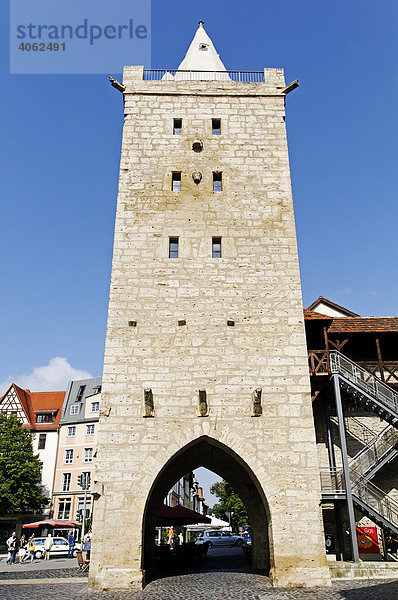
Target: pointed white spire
x=202 y=56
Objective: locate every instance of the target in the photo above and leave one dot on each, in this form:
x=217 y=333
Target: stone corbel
x=148 y=402
x=257 y=408
x=203 y=407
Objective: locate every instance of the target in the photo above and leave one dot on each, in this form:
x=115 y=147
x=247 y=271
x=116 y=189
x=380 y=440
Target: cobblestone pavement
x=233 y=582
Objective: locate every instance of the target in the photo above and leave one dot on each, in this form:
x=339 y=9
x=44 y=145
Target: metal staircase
x=378 y=449
x=376 y=454
x=375 y=504
x=361 y=385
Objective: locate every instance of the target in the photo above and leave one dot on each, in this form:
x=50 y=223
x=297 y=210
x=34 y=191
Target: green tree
x=229 y=502
x=20 y=488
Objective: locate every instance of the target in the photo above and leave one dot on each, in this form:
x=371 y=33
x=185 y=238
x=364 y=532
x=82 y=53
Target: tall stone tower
x=205 y=360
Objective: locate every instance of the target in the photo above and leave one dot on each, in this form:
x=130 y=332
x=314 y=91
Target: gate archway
x=219 y=458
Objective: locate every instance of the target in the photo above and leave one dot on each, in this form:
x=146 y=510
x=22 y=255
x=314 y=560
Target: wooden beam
x=325 y=336
x=379 y=359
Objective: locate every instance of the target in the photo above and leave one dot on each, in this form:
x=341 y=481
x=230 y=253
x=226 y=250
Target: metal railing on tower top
x=181 y=75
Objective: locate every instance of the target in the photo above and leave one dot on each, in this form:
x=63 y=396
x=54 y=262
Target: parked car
x=60 y=547
x=219 y=538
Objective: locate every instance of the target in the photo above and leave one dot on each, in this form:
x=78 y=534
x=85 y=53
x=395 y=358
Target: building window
x=63 y=508
x=42 y=441
x=66 y=479
x=71 y=431
x=173 y=247
x=75 y=409
x=90 y=429
x=177 y=126
x=45 y=418
x=216 y=247
x=176 y=181
x=80 y=393
x=80 y=508
x=68 y=458
x=88 y=455
x=216 y=126
x=217 y=181
x=95 y=406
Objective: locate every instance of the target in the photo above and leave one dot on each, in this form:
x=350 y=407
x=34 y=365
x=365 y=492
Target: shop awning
x=179 y=515
x=52 y=523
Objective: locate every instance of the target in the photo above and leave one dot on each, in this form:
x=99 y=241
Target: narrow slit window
x=177 y=126
x=173 y=247
x=176 y=182
x=216 y=126
x=216 y=247
x=217 y=182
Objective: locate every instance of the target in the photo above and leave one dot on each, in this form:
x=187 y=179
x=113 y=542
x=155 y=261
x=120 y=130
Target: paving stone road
x=232 y=581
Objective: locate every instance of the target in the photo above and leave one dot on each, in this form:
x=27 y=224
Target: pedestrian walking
x=13 y=545
x=87 y=544
x=22 y=549
x=71 y=541
x=31 y=549
x=48 y=544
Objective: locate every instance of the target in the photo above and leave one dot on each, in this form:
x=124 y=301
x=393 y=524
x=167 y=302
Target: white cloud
x=52 y=377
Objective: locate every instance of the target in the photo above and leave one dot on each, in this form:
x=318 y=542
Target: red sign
x=367 y=540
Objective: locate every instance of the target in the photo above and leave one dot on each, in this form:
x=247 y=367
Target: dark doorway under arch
x=217 y=457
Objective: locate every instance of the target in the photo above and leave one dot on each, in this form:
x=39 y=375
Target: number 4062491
x=42 y=47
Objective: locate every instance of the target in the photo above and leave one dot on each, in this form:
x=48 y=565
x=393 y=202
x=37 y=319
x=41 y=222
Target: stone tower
x=205 y=359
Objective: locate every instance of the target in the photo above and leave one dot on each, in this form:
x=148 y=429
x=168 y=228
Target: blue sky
x=59 y=164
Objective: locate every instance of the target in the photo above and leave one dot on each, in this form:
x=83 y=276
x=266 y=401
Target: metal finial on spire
x=200 y=23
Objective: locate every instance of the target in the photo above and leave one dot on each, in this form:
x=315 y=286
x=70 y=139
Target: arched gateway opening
x=217 y=457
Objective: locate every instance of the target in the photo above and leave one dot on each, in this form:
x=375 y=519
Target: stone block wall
x=255 y=284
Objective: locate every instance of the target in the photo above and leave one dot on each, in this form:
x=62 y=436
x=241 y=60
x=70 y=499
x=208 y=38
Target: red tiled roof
x=310 y=315
x=36 y=402
x=364 y=325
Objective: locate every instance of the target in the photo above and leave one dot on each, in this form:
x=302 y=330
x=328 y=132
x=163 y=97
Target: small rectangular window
x=177 y=126
x=64 y=508
x=66 y=479
x=90 y=429
x=68 y=457
x=95 y=406
x=216 y=126
x=72 y=431
x=88 y=455
x=75 y=409
x=216 y=247
x=42 y=441
x=176 y=181
x=173 y=247
x=217 y=181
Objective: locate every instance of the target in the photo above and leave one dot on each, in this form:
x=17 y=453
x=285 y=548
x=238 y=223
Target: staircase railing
x=364 y=380
x=332 y=482
x=385 y=442
x=377 y=500
x=357 y=429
